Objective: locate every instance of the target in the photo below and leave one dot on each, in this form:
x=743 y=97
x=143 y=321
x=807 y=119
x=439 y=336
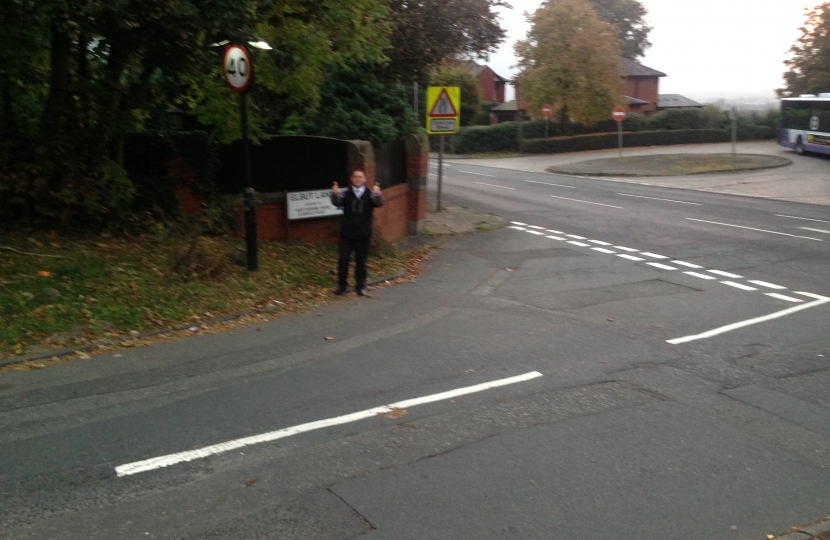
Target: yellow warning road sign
x=443 y=109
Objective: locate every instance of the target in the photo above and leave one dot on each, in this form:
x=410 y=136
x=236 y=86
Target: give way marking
x=199 y=453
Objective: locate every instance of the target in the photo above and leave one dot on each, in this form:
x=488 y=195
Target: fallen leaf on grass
x=396 y=413
x=44 y=273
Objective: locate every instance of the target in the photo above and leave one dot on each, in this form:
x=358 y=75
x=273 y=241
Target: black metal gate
x=390 y=164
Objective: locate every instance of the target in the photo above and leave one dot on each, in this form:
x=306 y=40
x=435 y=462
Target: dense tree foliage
x=457 y=74
x=809 y=66
x=628 y=16
x=569 y=60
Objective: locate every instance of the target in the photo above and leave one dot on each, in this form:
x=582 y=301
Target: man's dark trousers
x=361 y=250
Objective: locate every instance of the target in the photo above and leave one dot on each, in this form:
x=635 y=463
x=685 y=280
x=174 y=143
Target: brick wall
x=487 y=84
x=391 y=217
x=645 y=88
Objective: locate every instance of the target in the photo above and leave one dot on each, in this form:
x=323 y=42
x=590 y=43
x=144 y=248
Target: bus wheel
x=799 y=146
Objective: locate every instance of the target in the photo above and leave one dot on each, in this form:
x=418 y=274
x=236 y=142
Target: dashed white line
x=600 y=242
x=575 y=236
x=701 y=276
x=652 y=255
x=494 y=185
x=477 y=173
x=517 y=228
x=626 y=249
x=765 y=284
x=739 y=286
x=725 y=274
x=536 y=232
x=554 y=237
x=536 y=227
x=554 y=232
x=804 y=218
x=658 y=199
x=518 y=223
x=784 y=297
x=814 y=230
x=629 y=257
x=587 y=202
x=580 y=244
x=603 y=250
x=728 y=328
x=688 y=264
x=190 y=455
x=661 y=266
x=754 y=229
x=549 y=184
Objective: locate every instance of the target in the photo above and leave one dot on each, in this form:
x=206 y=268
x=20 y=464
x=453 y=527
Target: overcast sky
x=708 y=48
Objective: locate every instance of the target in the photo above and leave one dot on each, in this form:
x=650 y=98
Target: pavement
x=530 y=384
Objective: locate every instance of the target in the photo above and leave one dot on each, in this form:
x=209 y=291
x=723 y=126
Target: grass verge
x=114 y=288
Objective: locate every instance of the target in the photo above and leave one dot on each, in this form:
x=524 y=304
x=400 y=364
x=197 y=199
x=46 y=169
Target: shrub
x=685 y=118
x=602 y=141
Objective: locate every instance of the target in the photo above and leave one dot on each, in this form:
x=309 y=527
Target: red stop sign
x=546 y=109
x=618 y=114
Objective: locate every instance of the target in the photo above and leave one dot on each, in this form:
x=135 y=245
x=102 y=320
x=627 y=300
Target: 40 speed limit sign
x=237 y=67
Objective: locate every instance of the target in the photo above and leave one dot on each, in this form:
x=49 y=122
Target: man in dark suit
x=358 y=205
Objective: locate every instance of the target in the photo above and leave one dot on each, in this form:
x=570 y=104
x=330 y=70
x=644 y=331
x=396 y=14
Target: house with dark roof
x=642 y=89
x=490 y=83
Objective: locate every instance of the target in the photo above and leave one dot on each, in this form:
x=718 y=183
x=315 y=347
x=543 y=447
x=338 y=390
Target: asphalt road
x=623 y=362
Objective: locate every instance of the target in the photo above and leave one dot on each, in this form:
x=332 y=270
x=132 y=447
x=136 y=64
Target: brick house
x=642 y=89
x=490 y=84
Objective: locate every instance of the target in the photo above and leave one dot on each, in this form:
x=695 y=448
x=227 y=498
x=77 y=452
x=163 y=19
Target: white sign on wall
x=311 y=204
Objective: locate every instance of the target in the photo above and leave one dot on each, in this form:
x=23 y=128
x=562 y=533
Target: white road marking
x=586 y=202
x=784 y=297
x=477 y=173
x=554 y=237
x=629 y=257
x=657 y=199
x=536 y=227
x=580 y=244
x=754 y=229
x=190 y=455
x=554 y=232
x=765 y=284
x=701 y=276
x=575 y=236
x=549 y=184
x=690 y=265
x=725 y=274
x=815 y=230
x=603 y=250
x=653 y=255
x=804 y=218
x=734 y=326
x=739 y=286
x=518 y=223
x=517 y=228
x=494 y=185
x=626 y=249
x=536 y=232
x=661 y=266
x=599 y=242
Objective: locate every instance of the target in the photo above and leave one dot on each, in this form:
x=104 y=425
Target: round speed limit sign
x=237 y=68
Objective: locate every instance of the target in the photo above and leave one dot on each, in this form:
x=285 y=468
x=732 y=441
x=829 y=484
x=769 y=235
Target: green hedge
x=602 y=141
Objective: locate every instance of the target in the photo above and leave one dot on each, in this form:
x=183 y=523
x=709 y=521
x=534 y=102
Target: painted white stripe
x=765 y=284
x=580 y=244
x=739 y=286
x=536 y=232
x=754 y=229
x=554 y=237
x=575 y=236
x=586 y=202
x=518 y=223
x=554 y=232
x=629 y=257
x=657 y=199
x=600 y=242
x=477 y=173
x=549 y=184
x=626 y=249
x=190 y=455
x=517 y=228
x=690 y=265
x=804 y=218
x=784 y=297
x=701 y=276
x=725 y=274
x=537 y=227
x=603 y=250
x=494 y=185
x=734 y=326
x=661 y=266
x=653 y=255
x=815 y=230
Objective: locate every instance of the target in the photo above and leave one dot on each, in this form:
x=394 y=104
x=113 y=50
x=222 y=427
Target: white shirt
x=358 y=191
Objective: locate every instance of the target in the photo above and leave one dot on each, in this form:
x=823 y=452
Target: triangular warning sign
x=443 y=107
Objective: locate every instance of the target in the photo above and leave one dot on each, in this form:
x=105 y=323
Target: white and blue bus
x=805 y=124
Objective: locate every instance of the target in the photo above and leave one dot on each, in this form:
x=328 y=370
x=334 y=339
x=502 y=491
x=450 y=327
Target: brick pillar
x=362 y=158
x=417 y=167
x=182 y=175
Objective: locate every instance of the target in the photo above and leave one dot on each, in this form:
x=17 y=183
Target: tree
x=570 y=60
x=428 y=32
x=809 y=67
x=628 y=16
x=460 y=76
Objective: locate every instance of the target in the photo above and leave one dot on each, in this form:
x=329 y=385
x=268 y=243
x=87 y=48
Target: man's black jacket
x=357 y=212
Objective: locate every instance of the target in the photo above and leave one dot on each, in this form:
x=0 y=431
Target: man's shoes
x=339 y=291
x=361 y=291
